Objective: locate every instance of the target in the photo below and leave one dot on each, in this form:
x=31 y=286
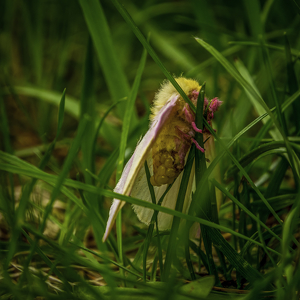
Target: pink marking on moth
x=195 y=94
x=183 y=144
x=197 y=145
x=205 y=102
x=196 y=128
x=189 y=116
x=215 y=104
x=184 y=135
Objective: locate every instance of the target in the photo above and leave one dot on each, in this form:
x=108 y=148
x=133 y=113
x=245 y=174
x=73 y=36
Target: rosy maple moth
x=165 y=147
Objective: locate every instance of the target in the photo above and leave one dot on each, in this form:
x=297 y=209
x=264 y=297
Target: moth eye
x=168 y=162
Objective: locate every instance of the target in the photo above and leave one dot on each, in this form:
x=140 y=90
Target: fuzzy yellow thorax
x=167 y=90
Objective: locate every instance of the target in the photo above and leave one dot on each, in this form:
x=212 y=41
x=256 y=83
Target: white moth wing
x=137 y=160
x=141 y=191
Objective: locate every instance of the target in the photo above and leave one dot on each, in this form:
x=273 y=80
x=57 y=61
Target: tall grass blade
x=292 y=83
x=102 y=39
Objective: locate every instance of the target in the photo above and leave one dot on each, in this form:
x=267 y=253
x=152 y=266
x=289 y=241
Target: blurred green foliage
x=246 y=51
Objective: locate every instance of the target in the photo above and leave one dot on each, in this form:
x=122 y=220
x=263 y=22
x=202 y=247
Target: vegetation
x=77 y=81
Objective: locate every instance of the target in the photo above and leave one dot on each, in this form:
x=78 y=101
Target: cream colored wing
x=141 y=191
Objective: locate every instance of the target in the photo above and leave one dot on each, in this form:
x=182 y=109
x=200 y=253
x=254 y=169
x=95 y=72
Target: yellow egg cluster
x=165 y=172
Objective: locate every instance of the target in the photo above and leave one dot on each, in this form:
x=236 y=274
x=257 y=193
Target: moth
x=165 y=147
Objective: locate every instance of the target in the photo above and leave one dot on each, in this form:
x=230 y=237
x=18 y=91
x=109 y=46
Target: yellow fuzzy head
x=167 y=90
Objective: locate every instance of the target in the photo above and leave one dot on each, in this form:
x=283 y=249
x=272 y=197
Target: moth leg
x=189 y=116
x=184 y=135
x=197 y=145
x=196 y=128
x=190 y=137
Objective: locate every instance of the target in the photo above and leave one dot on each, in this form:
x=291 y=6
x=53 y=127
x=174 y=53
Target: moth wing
x=137 y=160
x=140 y=190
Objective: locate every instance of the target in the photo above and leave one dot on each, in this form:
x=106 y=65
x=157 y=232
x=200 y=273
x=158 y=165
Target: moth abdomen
x=169 y=152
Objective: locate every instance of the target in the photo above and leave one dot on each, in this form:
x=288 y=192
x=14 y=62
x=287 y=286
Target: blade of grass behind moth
x=49 y=263
x=274 y=184
x=261 y=134
x=71 y=105
x=102 y=39
x=293 y=158
x=137 y=262
x=129 y=112
x=207 y=22
x=108 y=168
x=88 y=106
x=73 y=215
x=5 y=132
x=154 y=268
x=165 y=43
x=270 y=78
x=265 y=12
x=150 y=50
x=116 y=151
x=253 y=154
x=264 y=244
x=202 y=257
x=292 y=82
x=7 y=197
x=32 y=15
x=31 y=171
x=294 y=161
x=254 y=17
x=71 y=256
x=59 y=182
x=21 y=210
x=5 y=137
x=19 y=103
x=295 y=164
x=125 y=129
x=289 y=229
x=244 y=208
x=240 y=264
x=257 y=104
x=294 y=52
x=198 y=190
x=172 y=245
x=297 y=6
x=244 y=200
x=237 y=153
x=91 y=255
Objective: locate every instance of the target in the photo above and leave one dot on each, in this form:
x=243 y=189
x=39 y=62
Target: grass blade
x=101 y=36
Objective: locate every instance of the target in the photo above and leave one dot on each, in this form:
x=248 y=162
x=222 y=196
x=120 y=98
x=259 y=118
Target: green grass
x=77 y=80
